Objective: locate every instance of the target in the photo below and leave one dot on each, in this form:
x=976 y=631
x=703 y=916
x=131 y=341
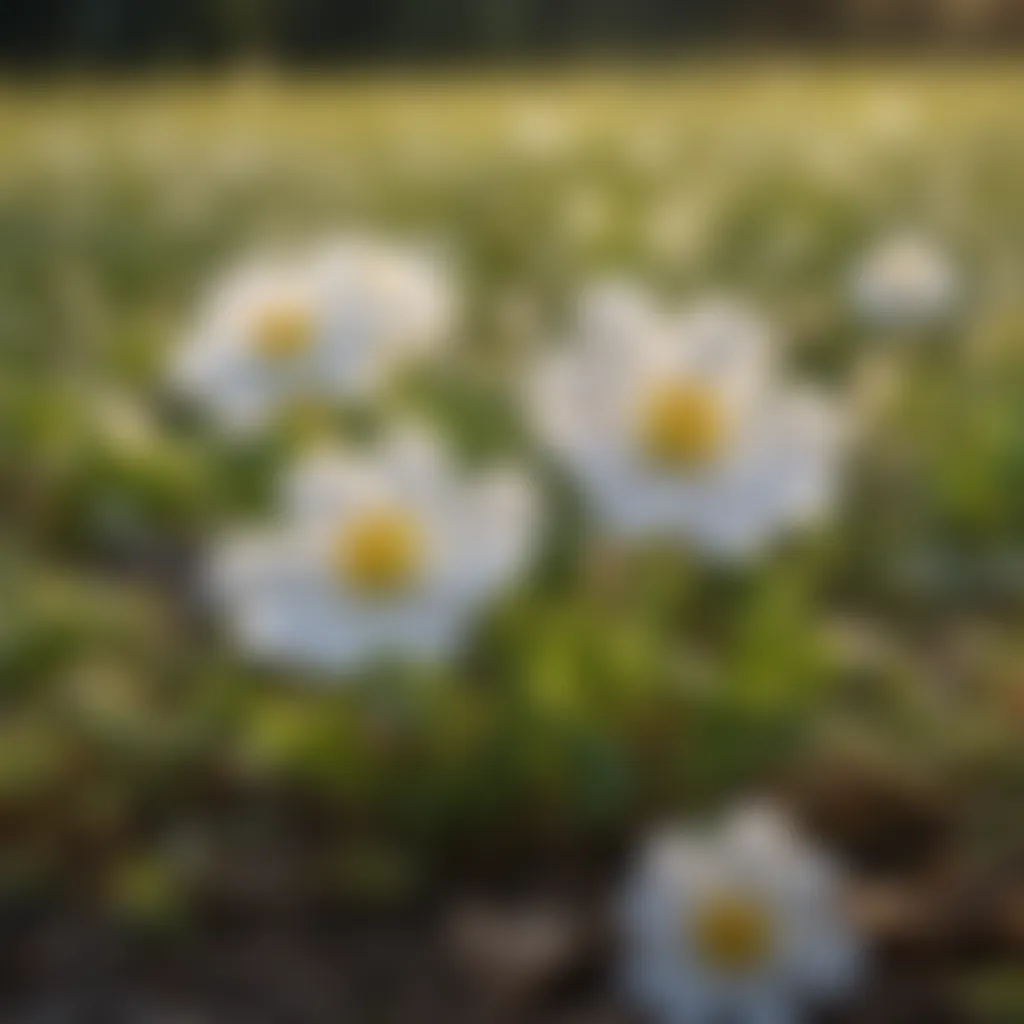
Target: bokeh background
x=184 y=834
x=123 y=33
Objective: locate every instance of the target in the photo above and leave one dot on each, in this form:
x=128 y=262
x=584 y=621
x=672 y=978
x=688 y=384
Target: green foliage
x=616 y=684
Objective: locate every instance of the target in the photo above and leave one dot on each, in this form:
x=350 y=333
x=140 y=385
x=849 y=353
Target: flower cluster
x=674 y=423
x=678 y=424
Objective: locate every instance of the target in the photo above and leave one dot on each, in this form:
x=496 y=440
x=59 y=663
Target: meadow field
x=156 y=781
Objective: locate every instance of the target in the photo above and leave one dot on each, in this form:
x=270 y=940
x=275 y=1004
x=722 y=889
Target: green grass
x=615 y=684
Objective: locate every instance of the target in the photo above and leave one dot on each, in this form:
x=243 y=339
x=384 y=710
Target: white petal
x=329 y=484
x=830 y=962
x=415 y=459
x=656 y=982
x=673 y=872
x=725 y=344
x=761 y=827
x=490 y=531
x=390 y=297
x=767 y=1006
x=614 y=312
x=244 y=562
x=433 y=632
x=785 y=475
x=298 y=630
x=573 y=406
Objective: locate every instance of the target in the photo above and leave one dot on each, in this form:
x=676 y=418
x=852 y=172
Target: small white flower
x=388 y=552
x=336 y=323
x=678 y=426
x=743 y=923
x=904 y=282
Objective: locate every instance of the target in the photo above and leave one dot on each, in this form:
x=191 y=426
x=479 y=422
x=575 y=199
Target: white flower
x=678 y=426
x=334 y=323
x=905 y=281
x=388 y=552
x=743 y=923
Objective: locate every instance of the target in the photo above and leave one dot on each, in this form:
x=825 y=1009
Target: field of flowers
x=416 y=487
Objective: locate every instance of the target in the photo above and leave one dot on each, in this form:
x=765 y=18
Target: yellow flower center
x=380 y=553
x=283 y=330
x=733 y=934
x=683 y=425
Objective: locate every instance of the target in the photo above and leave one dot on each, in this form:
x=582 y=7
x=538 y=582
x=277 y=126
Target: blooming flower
x=335 y=323
x=904 y=282
x=742 y=923
x=679 y=426
x=383 y=552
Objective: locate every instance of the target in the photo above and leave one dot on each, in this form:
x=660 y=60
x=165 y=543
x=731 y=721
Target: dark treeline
x=110 y=33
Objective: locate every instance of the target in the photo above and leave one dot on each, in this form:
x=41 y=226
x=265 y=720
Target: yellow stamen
x=380 y=553
x=683 y=425
x=283 y=330
x=733 y=934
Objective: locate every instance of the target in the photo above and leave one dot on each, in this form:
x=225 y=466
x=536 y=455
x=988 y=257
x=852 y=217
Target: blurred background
x=187 y=836
x=121 y=33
